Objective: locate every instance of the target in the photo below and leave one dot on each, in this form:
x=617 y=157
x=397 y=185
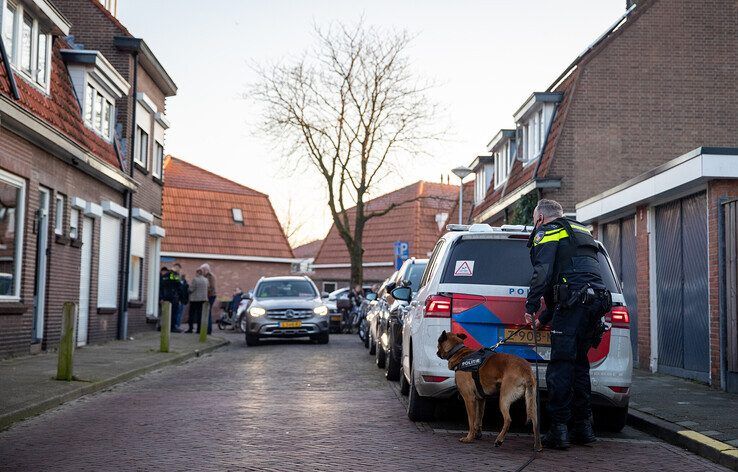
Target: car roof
x=285 y=278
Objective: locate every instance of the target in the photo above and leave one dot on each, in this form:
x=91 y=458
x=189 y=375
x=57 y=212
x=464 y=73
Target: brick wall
x=664 y=85
x=643 y=287
x=38 y=168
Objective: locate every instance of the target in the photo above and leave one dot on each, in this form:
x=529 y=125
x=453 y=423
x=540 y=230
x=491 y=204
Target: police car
x=476 y=283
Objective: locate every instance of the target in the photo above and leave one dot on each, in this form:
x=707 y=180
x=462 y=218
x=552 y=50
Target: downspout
x=126 y=255
x=9 y=71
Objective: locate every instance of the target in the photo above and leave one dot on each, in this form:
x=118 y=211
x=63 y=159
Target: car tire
x=252 y=339
x=381 y=355
x=611 y=418
x=323 y=338
x=404 y=384
x=372 y=343
x=221 y=325
x=393 y=364
x=241 y=324
x=419 y=408
x=366 y=336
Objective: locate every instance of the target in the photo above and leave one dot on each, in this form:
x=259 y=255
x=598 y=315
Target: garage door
x=681 y=281
x=619 y=238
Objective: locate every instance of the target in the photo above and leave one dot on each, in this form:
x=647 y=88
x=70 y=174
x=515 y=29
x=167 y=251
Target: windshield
x=285 y=289
x=413 y=275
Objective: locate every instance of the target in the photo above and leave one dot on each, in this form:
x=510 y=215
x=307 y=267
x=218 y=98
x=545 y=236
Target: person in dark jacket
x=169 y=291
x=184 y=295
x=566 y=269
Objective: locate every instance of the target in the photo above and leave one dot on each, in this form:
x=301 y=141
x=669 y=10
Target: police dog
x=507 y=374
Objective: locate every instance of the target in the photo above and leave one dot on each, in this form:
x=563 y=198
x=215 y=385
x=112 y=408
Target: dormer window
x=502 y=148
x=237 y=215
x=27 y=42
x=98 y=85
x=533 y=119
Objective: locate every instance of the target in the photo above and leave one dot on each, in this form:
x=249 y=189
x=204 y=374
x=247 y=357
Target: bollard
x=204 y=322
x=65 y=367
x=165 y=323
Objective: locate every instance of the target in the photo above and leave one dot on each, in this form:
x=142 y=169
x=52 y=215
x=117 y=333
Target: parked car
x=286 y=307
x=390 y=318
x=336 y=301
x=374 y=311
x=476 y=283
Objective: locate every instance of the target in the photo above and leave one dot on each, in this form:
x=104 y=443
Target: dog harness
x=471 y=363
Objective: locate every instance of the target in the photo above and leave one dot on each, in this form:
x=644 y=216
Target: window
x=74 y=224
x=99 y=112
x=237 y=215
x=27 y=44
x=138 y=252
x=142 y=148
x=108 y=262
x=59 y=215
x=158 y=159
x=432 y=263
x=498 y=262
x=12 y=198
x=541 y=132
x=329 y=287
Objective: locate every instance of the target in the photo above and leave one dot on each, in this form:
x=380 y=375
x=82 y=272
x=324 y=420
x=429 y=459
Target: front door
x=84 y=282
x=42 y=248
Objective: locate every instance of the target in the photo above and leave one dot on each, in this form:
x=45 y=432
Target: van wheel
x=252 y=340
x=611 y=419
x=419 y=408
x=381 y=355
x=404 y=384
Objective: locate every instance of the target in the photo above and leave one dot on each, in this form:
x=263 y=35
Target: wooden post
x=204 y=322
x=165 y=322
x=65 y=367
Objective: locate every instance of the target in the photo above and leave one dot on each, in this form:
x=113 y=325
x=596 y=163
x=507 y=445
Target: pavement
x=688 y=414
x=289 y=406
x=27 y=385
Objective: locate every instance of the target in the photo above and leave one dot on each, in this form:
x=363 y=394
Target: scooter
x=235 y=318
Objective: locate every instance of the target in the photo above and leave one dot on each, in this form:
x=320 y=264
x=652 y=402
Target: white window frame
x=138 y=255
x=17 y=37
x=158 y=159
x=20 y=212
x=92 y=92
x=108 y=275
x=139 y=141
x=335 y=286
x=135 y=276
x=74 y=224
x=60 y=203
x=237 y=215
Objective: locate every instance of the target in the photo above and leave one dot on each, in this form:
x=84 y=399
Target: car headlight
x=256 y=311
x=321 y=310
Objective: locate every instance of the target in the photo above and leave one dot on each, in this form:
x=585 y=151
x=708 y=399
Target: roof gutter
x=149 y=62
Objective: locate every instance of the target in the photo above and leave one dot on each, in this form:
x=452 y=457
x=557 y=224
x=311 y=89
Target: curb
x=8 y=419
x=704 y=446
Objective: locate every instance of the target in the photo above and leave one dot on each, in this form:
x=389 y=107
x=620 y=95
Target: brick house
x=62 y=183
x=209 y=218
x=141 y=125
x=647 y=90
x=424 y=209
x=673 y=240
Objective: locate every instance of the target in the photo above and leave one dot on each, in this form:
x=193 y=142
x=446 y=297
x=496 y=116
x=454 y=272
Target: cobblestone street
x=286 y=406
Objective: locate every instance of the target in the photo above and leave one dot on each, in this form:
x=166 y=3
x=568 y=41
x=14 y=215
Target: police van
x=476 y=283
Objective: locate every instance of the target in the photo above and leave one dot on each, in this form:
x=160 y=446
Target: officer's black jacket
x=558 y=258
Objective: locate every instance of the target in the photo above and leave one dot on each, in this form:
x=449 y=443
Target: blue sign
x=402 y=253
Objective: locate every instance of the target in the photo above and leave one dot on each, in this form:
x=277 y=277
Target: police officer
x=566 y=273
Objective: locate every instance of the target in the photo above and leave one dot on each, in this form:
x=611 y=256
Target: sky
x=485 y=57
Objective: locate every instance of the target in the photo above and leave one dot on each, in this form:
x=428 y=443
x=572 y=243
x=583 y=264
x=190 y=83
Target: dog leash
x=538 y=397
x=503 y=341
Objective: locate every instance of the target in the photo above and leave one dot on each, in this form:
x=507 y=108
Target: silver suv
x=286 y=307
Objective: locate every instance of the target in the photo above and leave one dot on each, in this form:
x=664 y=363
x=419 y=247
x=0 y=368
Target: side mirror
x=371 y=296
x=324 y=295
x=404 y=294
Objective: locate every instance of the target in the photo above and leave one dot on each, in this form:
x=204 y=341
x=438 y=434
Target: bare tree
x=353 y=109
x=292 y=225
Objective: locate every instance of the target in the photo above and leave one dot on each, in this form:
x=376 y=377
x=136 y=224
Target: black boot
x=582 y=433
x=557 y=437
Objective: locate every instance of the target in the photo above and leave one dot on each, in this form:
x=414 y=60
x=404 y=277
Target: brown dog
x=510 y=375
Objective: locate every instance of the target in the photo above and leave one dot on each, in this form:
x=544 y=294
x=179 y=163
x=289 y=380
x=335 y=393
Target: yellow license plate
x=290 y=324
x=336 y=318
x=525 y=336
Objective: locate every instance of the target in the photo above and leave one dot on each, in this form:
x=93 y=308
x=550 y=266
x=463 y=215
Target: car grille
x=287 y=314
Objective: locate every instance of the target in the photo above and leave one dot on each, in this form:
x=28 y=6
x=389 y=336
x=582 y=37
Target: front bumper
x=275 y=329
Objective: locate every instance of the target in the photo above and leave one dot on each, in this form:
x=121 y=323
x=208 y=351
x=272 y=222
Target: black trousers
x=195 y=315
x=567 y=376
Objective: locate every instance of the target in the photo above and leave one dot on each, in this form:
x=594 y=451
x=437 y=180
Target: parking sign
x=402 y=253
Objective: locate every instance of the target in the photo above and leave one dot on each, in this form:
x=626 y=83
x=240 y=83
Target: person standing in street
x=184 y=296
x=198 y=296
x=567 y=274
x=169 y=290
x=205 y=268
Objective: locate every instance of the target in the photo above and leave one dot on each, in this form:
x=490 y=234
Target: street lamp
x=461 y=173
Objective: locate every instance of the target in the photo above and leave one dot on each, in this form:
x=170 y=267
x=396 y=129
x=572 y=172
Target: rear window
x=489 y=262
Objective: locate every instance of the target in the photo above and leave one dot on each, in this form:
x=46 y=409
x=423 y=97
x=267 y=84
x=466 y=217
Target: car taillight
x=619 y=317
x=619 y=389
x=434 y=378
x=438 y=306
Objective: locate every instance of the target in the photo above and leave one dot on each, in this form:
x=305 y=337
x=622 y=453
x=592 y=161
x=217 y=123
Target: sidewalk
x=27 y=387
x=687 y=414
